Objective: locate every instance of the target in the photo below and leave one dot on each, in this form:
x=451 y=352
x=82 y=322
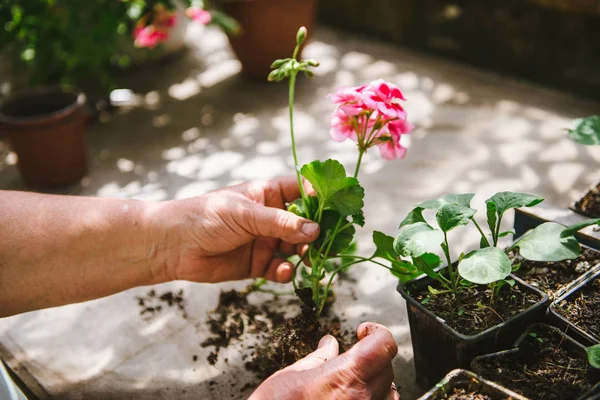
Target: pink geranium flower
x=197 y=14
x=371 y=115
x=149 y=36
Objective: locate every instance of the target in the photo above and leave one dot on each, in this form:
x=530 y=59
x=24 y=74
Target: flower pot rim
x=401 y=288
x=516 y=348
x=578 y=284
x=457 y=373
x=79 y=100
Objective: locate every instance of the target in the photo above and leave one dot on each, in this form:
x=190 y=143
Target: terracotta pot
x=269 y=30
x=46 y=127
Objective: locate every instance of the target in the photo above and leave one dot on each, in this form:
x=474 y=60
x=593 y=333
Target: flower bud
x=301 y=36
x=279 y=63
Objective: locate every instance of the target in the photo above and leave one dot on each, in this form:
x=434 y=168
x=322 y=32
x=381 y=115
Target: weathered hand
x=231 y=234
x=363 y=372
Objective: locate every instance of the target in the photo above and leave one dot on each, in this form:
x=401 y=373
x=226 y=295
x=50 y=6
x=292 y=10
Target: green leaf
x=334 y=189
x=358 y=218
x=447 y=199
x=343 y=240
x=483 y=243
x=427 y=263
x=506 y=200
x=509 y=232
x=485 y=266
x=416 y=239
x=297 y=207
x=587 y=131
x=416 y=215
x=385 y=250
x=573 y=229
x=545 y=243
x=492 y=218
x=452 y=216
x=594 y=355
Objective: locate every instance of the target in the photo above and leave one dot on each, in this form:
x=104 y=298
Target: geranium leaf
x=485 y=266
x=587 y=131
x=416 y=239
x=545 y=243
x=452 y=216
x=448 y=199
x=334 y=189
x=594 y=355
x=358 y=218
x=385 y=250
x=343 y=239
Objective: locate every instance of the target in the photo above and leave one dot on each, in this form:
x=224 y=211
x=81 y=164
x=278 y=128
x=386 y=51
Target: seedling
x=371 y=115
x=594 y=356
x=487 y=265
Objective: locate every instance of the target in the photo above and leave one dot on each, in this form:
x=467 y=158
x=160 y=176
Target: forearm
x=56 y=250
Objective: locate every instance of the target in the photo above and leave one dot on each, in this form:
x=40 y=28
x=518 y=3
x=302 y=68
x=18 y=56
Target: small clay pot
x=46 y=128
x=269 y=30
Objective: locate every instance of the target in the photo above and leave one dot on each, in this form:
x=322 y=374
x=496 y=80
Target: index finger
x=375 y=350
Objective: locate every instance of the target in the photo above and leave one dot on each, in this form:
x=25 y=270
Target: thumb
x=328 y=349
x=284 y=225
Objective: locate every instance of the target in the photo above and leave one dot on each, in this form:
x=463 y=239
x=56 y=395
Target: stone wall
x=525 y=38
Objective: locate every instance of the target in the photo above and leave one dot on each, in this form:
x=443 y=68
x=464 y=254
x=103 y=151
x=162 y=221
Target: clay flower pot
x=269 y=30
x=45 y=127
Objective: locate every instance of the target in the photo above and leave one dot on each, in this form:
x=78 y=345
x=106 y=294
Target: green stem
x=481 y=231
x=333 y=275
x=360 y=156
x=294 y=152
x=450 y=269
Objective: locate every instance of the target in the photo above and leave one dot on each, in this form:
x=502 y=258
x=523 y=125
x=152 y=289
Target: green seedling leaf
x=587 y=130
x=506 y=200
x=485 y=266
x=416 y=215
x=492 y=217
x=447 y=199
x=483 y=243
x=461 y=310
x=594 y=355
x=545 y=243
x=334 y=189
x=358 y=218
x=426 y=300
x=343 y=239
x=510 y=232
x=571 y=230
x=452 y=216
x=416 y=239
x=427 y=263
x=385 y=250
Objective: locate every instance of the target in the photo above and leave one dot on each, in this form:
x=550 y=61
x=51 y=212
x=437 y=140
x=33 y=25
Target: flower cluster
x=371 y=115
x=153 y=28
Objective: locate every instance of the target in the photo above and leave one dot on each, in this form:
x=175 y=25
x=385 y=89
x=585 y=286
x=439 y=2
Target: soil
x=583 y=308
x=546 y=368
x=475 y=310
x=463 y=394
x=153 y=303
x=283 y=340
x=589 y=204
x=551 y=277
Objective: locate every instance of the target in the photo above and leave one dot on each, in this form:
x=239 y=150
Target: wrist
x=155 y=224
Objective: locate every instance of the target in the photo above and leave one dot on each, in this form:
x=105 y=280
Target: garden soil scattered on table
x=463 y=394
x=551 y=277
x=476 y=312
x=582 y=309
x=283 y=341
x=589 y=204
x=152 y=303
x=544 y=369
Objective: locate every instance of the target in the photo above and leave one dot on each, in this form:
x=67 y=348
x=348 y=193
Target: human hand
x=230 y=234
x=363 y=372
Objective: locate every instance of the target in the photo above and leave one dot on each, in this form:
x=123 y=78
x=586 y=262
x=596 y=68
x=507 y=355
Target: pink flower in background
x=149 y=36
x=163 y=17
x=371 y=115
x=197 y=14
x=390 y=142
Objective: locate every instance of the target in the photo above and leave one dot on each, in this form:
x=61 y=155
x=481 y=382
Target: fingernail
x=325 y=341
x=310 y=228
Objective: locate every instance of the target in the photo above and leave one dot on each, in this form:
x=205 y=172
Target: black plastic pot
x=573 y=346
x=559 y=320
x=438 y=348
x=462 y=379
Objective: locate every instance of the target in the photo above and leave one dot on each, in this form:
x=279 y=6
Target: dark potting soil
x=464 y=394
x=153 y=303
x=583 y=308
x=283 y=341
x=589 y=204
x=551 y=277
x=546 y=368
x=475 y=310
